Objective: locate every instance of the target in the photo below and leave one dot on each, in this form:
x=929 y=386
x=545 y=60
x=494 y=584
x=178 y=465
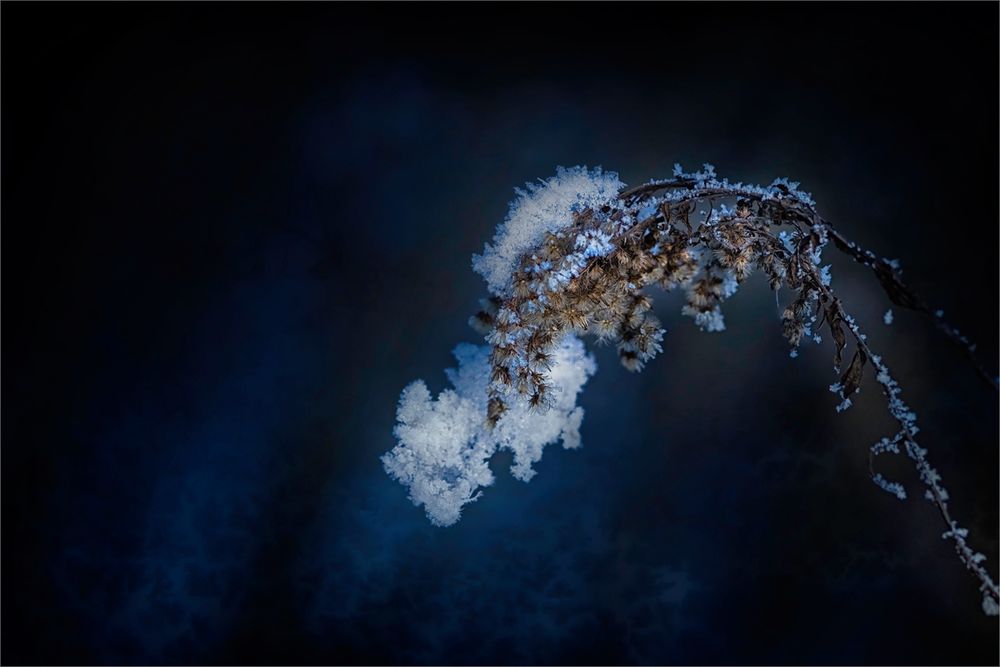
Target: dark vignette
x=232 y=233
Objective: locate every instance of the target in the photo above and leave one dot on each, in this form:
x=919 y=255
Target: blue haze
x=262 y=231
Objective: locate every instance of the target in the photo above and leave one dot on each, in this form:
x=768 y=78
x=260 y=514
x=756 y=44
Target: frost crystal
x=539 y=209
x=444 y=446
x=708 y=320
x=824 y=275
x=895 y=488
x=990 y=607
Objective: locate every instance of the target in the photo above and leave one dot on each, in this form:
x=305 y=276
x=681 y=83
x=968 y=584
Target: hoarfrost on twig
x=574 y=257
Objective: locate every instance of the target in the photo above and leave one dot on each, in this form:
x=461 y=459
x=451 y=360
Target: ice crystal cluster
x=445 y=443
x=539 y=210
x=576 y=257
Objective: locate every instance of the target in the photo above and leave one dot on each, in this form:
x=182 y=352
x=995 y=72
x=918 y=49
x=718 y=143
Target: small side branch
x=903 y=296
x=906 y=421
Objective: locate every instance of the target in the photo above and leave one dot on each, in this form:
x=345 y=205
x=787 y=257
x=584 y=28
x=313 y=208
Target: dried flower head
x=575 y=257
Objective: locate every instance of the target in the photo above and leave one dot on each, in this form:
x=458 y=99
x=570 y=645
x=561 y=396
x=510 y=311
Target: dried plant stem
x=901 y=296
x=589 y=277
x=935 y=492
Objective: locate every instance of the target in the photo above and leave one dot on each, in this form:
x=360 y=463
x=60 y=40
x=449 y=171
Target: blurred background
x=233 y=233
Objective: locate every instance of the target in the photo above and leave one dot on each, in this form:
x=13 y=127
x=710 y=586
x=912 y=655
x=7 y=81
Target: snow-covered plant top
x=539 y=210
x=445 y=443
x=574 y=258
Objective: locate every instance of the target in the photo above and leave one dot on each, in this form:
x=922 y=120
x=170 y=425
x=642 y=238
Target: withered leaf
x=897 y=292
x=843 y=245
x=852 y=378
x=822 y=318
x=837 y=331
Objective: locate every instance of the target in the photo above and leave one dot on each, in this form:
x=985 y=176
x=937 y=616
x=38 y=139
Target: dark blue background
x=233 y=233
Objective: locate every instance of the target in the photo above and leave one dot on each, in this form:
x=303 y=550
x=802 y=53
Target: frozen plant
x=445 y=443
x=574 y=258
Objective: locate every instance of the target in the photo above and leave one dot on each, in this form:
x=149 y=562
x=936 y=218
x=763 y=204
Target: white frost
x=895 y=488
x=540 y=209
x=707 y=320
x=444 y=446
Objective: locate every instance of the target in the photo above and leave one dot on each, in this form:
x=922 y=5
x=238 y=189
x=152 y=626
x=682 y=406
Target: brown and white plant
x=575 y=257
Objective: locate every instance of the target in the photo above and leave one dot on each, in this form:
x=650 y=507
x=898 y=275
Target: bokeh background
x=233 y=233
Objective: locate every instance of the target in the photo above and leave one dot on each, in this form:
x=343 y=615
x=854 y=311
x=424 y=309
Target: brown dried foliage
x=606 y=297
